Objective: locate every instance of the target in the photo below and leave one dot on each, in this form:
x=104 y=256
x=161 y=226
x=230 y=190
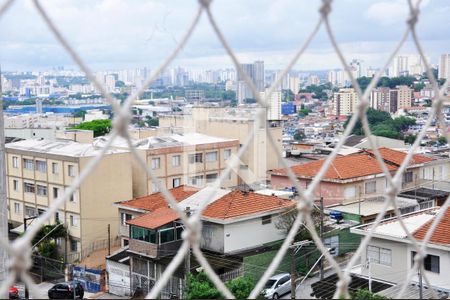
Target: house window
x=30 y=211
x=155 y=187
x=430 y=263
x=55 y=192
x=266 y=220
x=176 y=160
x=176 y=182
x=41 y=166
x=211 y=156
x=226 y=154
x=196 y=180
x=15 y=185
x=71 y=171
x=28 y=164
x=408 y=177
x=125 y=217
x=72 y=198
x=211 y=177
x=73 y=221
x=156 y=163
x=55 y=168
x=379 y=255
x=370 y=187
x=28 y=187
x=73 y=246
x=195 y=158
x=41 y=190
x=17 y=208
x=142 y=234
x=15 y=162
x=57 y=217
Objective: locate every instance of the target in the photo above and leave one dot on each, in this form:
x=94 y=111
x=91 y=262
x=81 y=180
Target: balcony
x=154 y=250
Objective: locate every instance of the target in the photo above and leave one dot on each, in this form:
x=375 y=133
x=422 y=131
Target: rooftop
x=373 y=206
x=157 y=200
x=441 y=234
x=155 y=219
x=59 y=147
x=356 y=165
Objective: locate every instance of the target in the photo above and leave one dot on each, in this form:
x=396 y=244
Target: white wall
x=250 y=233
x=119 y=278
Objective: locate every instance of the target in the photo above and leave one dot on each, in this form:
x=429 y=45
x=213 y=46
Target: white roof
x=208 y=194
x=412 y=221
x=370 y=207
x=59 y=147
x=270 y=192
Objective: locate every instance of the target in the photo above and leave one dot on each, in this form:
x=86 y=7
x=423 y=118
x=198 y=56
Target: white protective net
x=20 y=250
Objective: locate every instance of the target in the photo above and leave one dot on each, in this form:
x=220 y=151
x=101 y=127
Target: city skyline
x=268 y=32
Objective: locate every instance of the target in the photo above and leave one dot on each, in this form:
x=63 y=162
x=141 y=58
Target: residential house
x=229 y=218
x=358 y=176
x=38 y=171
x=390 y=253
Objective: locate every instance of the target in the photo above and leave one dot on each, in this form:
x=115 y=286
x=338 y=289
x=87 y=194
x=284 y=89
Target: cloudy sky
x=114 y=34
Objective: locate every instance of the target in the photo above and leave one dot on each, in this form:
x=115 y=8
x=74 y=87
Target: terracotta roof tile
x=441 y=234
x=397 y=157
x=157 y=200
x=238 y=203
x=155 y=219
x=343 y=167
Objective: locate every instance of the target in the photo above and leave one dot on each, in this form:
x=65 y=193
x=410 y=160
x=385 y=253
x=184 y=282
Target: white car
x=277 y=286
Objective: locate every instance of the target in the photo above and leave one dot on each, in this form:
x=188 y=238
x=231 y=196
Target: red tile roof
x=354 y=165
x=441 y=234
x=397 y=157
x=232 y=205
x=238 y=204
x=155 y=219
x=343 y=167
x=157 y=200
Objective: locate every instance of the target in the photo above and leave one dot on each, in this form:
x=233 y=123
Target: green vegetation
x=100 y=127
x=200 y=287
x=442 y=140
x=151 y=121
x=304 y=112
x=382 y=124
x=46 y=237
x=409 y=139
x=299 y=136
x=365 y=294
x=318 y=90
x=387 y=82
x=80 y=114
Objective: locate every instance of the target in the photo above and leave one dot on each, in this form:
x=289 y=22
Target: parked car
x=66 y=290
x=277 y=286
x=13 y=293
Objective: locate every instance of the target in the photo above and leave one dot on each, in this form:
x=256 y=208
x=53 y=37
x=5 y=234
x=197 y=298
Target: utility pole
x=293 y=274
x=25 y=223
x=370 y=274
x=109 y=239
x=3 y=202
x=321 y=235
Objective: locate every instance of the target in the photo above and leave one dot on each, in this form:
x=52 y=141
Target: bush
x=365 y=294
x=99 y=127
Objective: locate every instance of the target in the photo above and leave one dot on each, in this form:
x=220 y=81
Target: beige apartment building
x=180 y=159
x=345 y=102
x=38 y=171
x=233 y=123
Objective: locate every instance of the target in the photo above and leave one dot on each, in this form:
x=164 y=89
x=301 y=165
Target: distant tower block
x=39 y=106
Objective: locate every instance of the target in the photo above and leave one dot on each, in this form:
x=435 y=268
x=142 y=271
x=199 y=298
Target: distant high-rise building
x=407 y=65
x=273 y=105
x=345 y=102
x=294 y=84
x=444 y=66
x=255 y=72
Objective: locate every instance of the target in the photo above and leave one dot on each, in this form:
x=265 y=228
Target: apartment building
x=391 y=100
x=345 y=102
x=39 y=171
x=233 y=123
x=180 y=159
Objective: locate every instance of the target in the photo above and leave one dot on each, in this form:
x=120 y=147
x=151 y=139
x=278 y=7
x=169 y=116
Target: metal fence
x=20 y=251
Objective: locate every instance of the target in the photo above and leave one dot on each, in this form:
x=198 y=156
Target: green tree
x=99 y=127
x=151 y=121
x=442 y=140
x=46 y=239
x=299 y=136
x=304 y=112
x=409 y=139
x=200 y=287
x=365 y=294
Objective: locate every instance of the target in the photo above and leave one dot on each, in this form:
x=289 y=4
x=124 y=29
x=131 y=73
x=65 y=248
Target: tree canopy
x=387 y=82
x=200 y=287
x=100 y=127
x=382 y=124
